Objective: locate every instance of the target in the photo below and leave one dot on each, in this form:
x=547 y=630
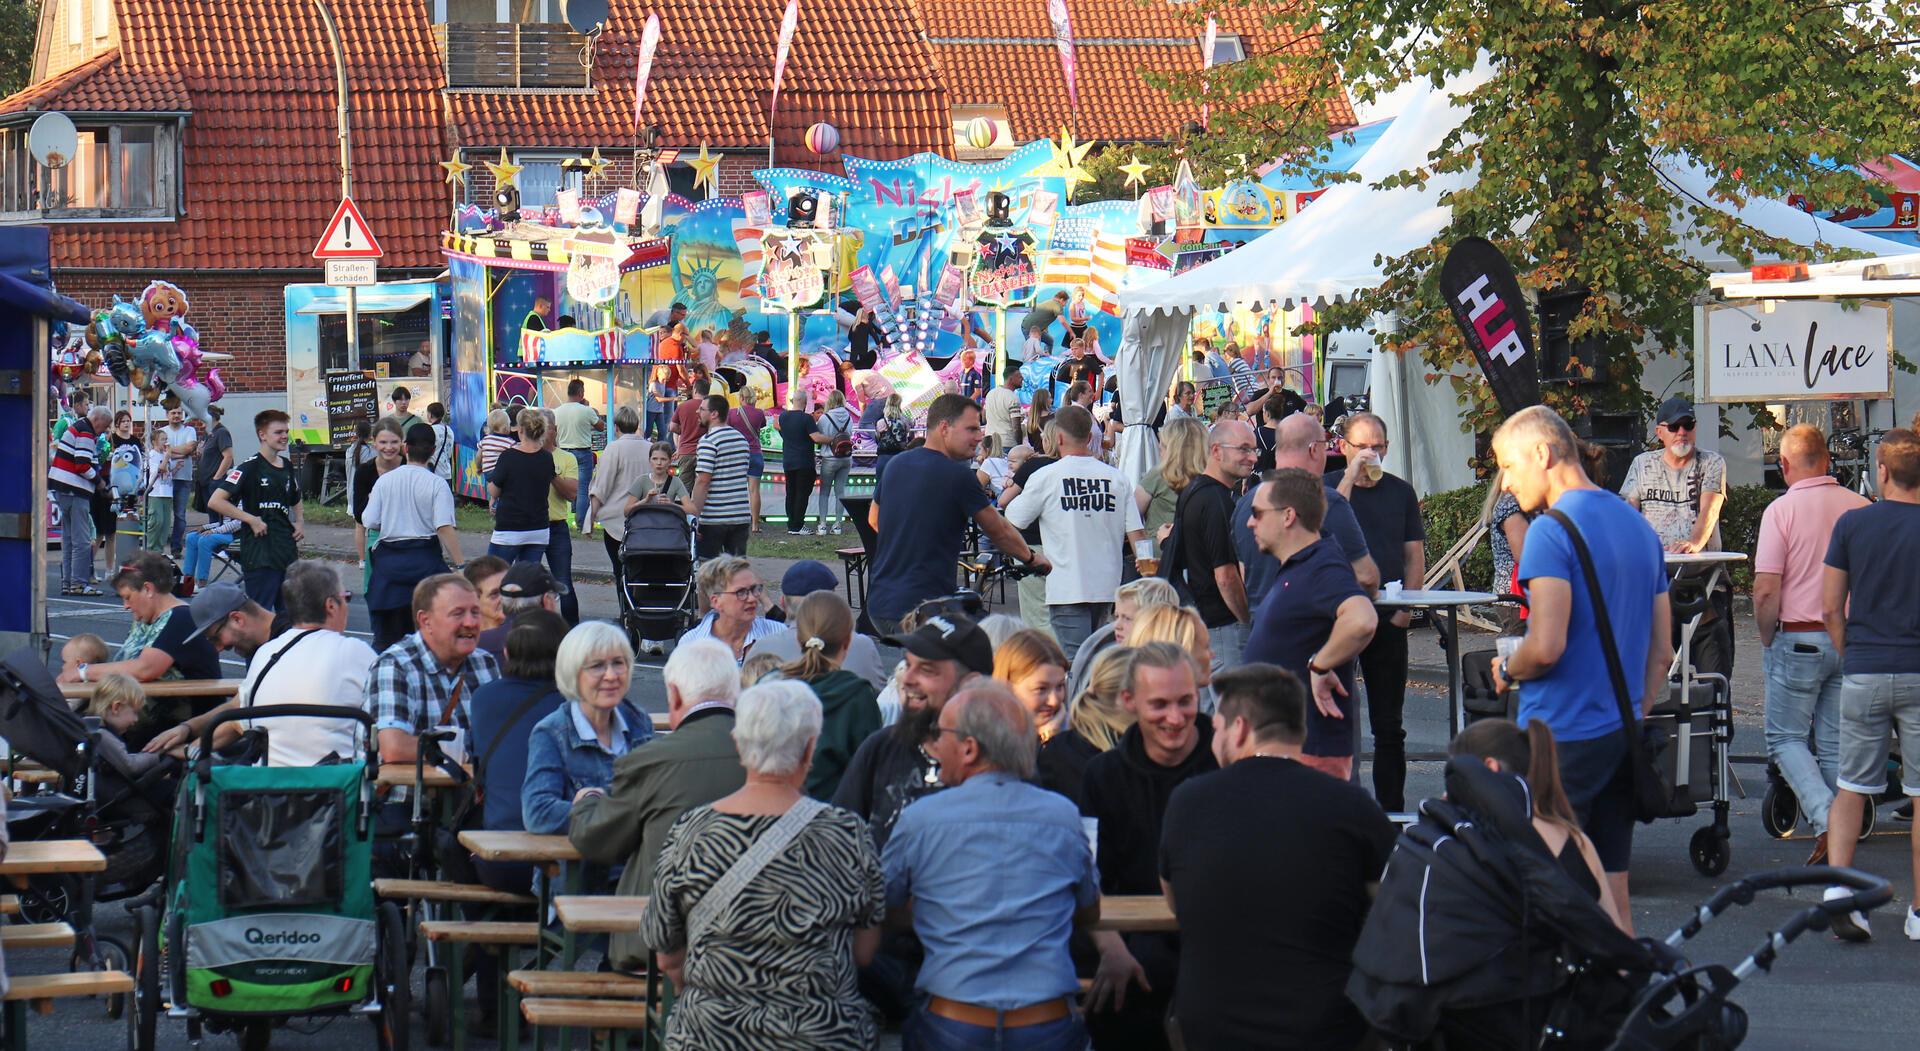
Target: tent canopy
x=1335 y=249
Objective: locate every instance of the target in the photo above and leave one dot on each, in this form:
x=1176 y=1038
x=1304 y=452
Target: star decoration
x=1067 y=158
x=791 y=246
x=597 y=165
x=456 y=170
x=1004 y=242
x=706 y=167
x=503 y=172
x=1136 y=171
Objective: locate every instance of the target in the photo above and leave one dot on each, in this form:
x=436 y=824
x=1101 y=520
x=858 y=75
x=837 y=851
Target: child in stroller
x=657 y=582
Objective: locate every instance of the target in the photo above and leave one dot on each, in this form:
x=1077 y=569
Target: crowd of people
x=914 y=824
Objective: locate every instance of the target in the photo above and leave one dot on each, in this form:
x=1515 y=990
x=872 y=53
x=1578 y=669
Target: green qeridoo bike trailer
x=269 y=910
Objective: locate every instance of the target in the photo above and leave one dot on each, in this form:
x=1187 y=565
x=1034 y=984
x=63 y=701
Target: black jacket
x=1063 y=765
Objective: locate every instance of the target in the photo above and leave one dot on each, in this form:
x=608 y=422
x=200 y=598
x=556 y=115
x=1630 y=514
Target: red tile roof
x=862 y=65
x=1003 y=54
x=262 y=167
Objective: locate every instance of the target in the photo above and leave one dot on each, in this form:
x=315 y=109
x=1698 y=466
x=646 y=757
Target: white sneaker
x=1913 y=926
x=836 y=529
x=1852 y=926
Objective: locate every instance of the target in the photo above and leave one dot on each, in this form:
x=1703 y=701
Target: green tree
x=19 y=22
x=1583 y=99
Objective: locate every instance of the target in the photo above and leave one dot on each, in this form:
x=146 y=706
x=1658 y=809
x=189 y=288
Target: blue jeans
x=833 y=488
x=263 y=586
x=925 y=1031
x=1229 y=642
x=178 y=538
x=560 y=562
x=1073 y=622
x=583 y=457
x=656 y=426
x=518 y=552
x=1803 y=717
x=200 y=548
x=76 y=537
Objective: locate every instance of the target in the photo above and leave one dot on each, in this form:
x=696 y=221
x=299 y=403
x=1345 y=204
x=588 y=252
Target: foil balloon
x=153 y=353
x=823 y=138
x=125 y=320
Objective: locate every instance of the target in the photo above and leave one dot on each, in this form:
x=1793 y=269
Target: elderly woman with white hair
x=765 y=902
x=573 y=748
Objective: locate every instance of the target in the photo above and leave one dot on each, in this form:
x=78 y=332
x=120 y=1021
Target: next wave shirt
x=1085 y=509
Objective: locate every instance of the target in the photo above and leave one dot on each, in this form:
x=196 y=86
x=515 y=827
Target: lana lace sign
x=1799 y=350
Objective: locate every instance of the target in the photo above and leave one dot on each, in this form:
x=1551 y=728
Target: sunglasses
x=1684 y=423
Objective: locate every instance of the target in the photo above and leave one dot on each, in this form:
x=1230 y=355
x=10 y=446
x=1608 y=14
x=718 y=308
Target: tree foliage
x=19 y=21
x=1772 y=98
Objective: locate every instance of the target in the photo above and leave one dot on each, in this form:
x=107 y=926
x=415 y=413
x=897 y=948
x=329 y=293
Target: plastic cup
x=1142 y=550
x=1505 y=645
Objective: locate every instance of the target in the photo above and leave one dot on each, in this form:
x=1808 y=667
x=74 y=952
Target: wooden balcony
x=510 y=56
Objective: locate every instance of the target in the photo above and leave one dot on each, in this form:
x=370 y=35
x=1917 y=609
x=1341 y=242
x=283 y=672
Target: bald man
x=1802 y=668
x=1302 y=443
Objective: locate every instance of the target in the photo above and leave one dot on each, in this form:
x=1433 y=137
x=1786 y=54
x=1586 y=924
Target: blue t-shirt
x=925 y=501
x=1259 y=568
x=797 y=429
x=1878 y=546
x=1575 y=697
x=1293 y=622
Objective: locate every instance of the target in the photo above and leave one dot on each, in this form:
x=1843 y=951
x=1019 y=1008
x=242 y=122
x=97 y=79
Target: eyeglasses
x=345 y=598
x=614 y=664
x=1380 y=448
x=1241 y=449
x=934 y=732
x=743 y=594
x=1684 y=423
x=1259 y=511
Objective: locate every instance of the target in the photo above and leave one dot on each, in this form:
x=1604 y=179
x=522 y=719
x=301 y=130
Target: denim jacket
x=564 y=756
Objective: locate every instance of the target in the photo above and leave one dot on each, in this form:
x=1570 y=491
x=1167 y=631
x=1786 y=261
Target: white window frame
x=1228 y=42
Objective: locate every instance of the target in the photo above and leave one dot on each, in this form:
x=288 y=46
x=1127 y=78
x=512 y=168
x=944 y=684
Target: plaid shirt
x=408 y=688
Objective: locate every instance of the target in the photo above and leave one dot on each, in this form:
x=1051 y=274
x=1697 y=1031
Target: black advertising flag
x=1492 y=314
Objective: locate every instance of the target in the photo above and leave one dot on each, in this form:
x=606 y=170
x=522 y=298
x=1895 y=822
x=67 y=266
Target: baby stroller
x=657 y=583
x=268 y=910
x=122 y=804
x=1479 y=939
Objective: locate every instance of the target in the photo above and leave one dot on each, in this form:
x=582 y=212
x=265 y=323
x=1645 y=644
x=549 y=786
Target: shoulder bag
x=1173 y=553
x=1652 y=796
x=715 y=901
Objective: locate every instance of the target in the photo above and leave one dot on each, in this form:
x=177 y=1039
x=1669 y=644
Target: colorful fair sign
x=347 y=235
x=1801 y=350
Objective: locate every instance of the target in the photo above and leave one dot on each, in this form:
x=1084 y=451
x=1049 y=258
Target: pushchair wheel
x=394 y=982
x=255 y=1036
x=1868 y=814
x=439 y=1008
x=1779 y=809
x=1709 y=851
x=144 y=1017
x=113 y=957
x=46 y=899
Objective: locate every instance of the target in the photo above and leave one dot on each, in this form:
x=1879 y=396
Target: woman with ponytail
x=1532 y=755
x=823 y=628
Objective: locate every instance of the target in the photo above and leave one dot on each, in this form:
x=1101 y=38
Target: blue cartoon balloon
x=154 y=355
x=125 y=320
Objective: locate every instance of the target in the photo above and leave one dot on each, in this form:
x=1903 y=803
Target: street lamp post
x=346 y=167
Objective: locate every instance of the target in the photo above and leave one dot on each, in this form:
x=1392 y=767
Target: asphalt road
x=1822 y=993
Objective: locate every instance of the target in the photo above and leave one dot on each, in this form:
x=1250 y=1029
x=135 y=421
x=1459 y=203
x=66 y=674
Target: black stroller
x=122 y=804
x=657 y=583
x=1479 y=939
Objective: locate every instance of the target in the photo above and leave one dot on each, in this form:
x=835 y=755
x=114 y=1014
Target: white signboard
x=1805 y=349
x=344 y=272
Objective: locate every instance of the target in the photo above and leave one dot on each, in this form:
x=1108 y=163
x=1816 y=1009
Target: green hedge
x=1452 y=513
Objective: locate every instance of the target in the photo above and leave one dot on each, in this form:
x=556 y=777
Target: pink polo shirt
x=1794 y=532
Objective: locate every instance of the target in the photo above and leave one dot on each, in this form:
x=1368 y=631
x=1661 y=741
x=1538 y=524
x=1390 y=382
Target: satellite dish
x=587 y=17
x=53 y=140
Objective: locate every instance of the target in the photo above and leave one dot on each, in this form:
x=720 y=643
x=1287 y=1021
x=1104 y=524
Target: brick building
x=208 y=154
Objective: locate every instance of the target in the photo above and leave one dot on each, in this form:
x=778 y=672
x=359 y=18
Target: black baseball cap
x=943 y=637
x=1673 y=410
x=529 y=580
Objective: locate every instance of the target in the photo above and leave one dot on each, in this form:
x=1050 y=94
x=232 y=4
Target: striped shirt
x=723 y=454
x=76 y=457
x=490 y=449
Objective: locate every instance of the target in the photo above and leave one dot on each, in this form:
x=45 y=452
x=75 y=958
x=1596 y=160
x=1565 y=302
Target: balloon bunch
x=151 y=348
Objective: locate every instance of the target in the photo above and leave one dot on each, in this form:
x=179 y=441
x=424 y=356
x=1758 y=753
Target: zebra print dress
x=775 y=970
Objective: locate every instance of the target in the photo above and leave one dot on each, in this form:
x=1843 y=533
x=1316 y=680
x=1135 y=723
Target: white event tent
x=1336 y=248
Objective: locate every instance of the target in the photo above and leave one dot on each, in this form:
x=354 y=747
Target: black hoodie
x=1127 y=793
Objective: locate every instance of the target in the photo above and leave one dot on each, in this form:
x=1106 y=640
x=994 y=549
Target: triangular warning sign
x=347 y=236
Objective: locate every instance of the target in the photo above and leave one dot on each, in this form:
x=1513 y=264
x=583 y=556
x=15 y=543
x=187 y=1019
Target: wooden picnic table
x=38 y=857
x=600 y=913
x=400 y=775
x=80 y=691
x=517 y=846
x=608 y=913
